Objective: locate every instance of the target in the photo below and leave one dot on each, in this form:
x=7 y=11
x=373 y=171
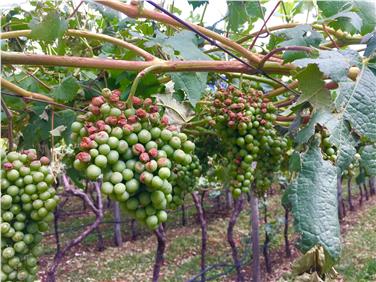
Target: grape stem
x=197 y=122
x=9 y=115
x=137 y=80
x=198 y=132
x=173 y=109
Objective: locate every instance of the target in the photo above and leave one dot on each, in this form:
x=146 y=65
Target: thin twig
x=264 y=26
x=9 y=115
x=138 y=79
x=288 y=48
x=39 y=81
x=43 y=101
x=284 y=9
x=75 y=10
x=281 y=90
x=330 y=37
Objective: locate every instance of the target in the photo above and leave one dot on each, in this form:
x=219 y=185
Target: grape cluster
x=27 y=204
x=245 y=123
x=185 y=180
x=135 y=149
x=328 y=149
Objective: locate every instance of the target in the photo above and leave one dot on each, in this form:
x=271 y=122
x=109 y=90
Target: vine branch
x=43 y=101
x=91 y=35
x=14 y=58
x=22 y=92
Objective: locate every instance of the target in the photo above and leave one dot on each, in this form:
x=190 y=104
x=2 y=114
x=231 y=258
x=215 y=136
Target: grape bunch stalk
x=134 y=150
x=255 y=150
x=28 y=200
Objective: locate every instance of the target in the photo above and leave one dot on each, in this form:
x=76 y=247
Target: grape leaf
x=51 y=27
x=192 y=83
x=301 y=35
x=367 y=11
x=331 y=8
x=348 y=21
x=368 y=160
x=295 y=163
x=313 y=196
x=313 y=87
x=197 y=3
x=67 y=90
x=359 y=104
x=240 y=12
x=186 y=43
x=63 y=121
x=333 y=64
x=350 y=16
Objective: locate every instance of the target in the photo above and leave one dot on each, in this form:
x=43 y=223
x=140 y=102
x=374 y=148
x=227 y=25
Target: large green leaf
x=313 y=196
x=350 y=16
x=359 y=104
x=313 y=88
x=184 y=42
x=301 y=35
x=347 y=21
x=367 y=11
x=333 y=64
x=67 y=90
x=368 y=160
x=240 y=12
x=295 y=163
x=192 y=83
x=52 y=26
x=331 y=8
